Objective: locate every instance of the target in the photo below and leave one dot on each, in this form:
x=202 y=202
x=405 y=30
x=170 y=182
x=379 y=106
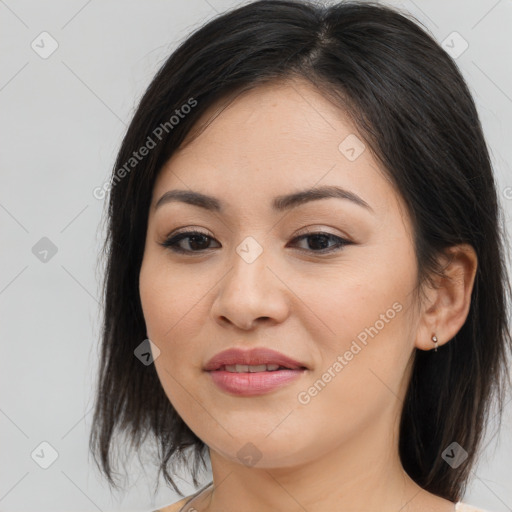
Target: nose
x=251 y=292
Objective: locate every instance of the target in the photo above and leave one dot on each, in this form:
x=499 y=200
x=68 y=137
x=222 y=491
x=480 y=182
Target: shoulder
x=175 y=507
x=464 y=507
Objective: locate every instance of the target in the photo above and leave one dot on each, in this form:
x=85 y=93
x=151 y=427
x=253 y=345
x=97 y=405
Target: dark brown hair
x=414 y=110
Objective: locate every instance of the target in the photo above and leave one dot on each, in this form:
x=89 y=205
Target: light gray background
x=62 y=121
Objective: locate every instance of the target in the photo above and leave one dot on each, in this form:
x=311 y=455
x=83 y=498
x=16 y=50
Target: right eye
x=197 y=242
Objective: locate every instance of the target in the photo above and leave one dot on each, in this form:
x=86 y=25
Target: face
x=340 y=302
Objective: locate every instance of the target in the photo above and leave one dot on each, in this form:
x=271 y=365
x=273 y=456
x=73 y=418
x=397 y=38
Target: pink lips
x=253 y=383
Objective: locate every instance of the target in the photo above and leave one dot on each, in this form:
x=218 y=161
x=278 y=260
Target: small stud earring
x=434 y=339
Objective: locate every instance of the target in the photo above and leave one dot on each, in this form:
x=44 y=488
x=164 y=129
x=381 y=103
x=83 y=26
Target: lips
x=251 y=357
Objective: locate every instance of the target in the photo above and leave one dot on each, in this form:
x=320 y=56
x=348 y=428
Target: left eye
x=197 y=242
x=320 y=240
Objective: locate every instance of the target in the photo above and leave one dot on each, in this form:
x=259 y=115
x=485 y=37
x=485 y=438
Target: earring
x=434 y=339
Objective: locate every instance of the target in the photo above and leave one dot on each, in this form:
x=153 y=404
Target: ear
x=446 y=306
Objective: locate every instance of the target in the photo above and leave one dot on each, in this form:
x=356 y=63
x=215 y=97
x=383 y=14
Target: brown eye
x=195 y=240
x=319 y=242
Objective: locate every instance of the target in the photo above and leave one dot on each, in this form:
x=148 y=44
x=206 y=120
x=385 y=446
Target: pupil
x=194 y=238
x=316 y=238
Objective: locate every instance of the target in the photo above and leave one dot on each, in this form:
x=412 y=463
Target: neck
x=362 y=473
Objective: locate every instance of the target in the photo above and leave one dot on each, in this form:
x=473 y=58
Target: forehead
x=276 y=117
x=272 y=140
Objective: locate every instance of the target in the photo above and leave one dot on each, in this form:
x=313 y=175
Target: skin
x=340 y=450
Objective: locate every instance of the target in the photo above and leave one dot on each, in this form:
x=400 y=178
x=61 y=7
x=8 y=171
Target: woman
x=305 y=240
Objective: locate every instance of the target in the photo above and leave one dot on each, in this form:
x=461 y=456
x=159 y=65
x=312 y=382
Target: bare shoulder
x=464 y=507
x=175 y=507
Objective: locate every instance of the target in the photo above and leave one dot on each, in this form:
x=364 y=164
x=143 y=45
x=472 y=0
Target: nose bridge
x=249 y=250
x=249 y=264
x=250 y=290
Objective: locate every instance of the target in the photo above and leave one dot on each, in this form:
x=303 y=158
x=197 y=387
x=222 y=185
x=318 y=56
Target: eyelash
x=171 y=242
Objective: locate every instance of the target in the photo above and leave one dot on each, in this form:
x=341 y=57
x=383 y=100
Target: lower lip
x=257 y=383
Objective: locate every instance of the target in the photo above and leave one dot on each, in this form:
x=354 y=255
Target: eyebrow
x=280 y=203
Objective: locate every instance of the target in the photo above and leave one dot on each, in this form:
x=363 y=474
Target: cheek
x=368 y=308
x=175 y=310
x=169 y=306
x=170 y=298
x=362 y=295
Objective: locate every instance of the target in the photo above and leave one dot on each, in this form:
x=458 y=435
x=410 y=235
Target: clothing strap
x=194 y=496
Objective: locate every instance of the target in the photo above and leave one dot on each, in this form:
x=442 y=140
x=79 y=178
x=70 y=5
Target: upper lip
x=254 y=356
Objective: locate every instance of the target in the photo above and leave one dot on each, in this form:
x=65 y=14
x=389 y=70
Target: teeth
x=245 y=368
